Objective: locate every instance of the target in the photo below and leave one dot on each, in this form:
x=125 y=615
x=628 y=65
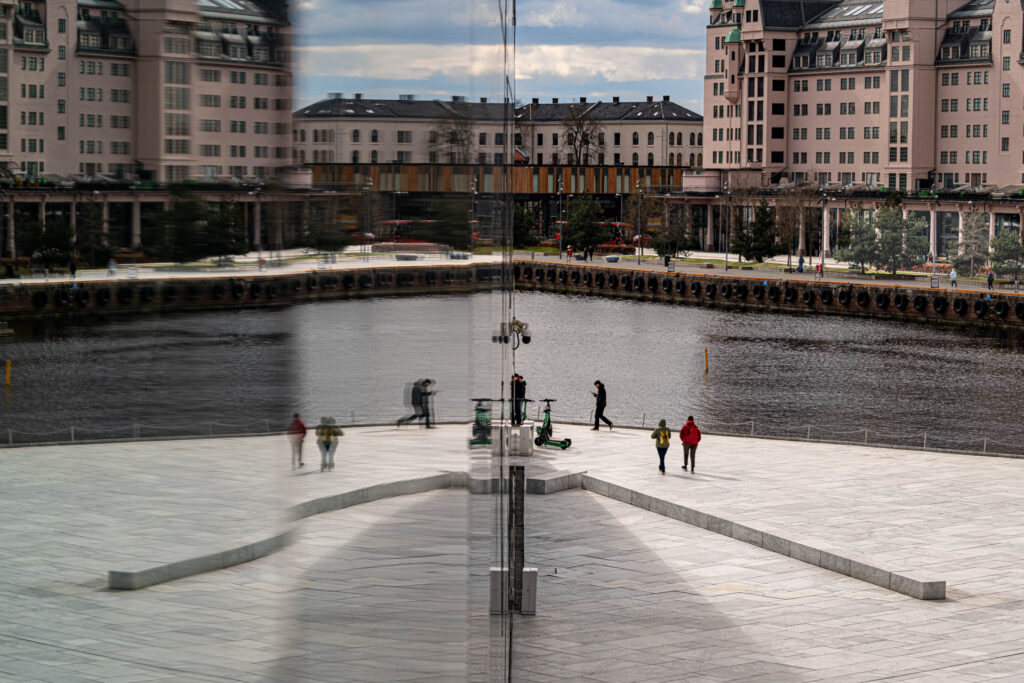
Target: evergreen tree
x=225 y=231
x=972 y=248
x=90 y=242
x=1007 y=254
x=584 y=228
x=450 y=224
x=755 y=241
x=862 y=247
x=522 y=228
x=180 y=232
x=900 y=243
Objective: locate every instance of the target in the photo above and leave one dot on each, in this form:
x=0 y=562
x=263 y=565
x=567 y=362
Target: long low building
x=409 y=131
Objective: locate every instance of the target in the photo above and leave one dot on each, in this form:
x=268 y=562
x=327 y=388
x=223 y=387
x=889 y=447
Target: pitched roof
x=779 y=14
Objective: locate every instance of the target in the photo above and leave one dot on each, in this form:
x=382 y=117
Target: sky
x=564 y=48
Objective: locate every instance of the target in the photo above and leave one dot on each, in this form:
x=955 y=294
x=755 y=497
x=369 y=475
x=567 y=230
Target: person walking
x=663 y=437
x=327 y=438
x=518 y=398
x=297 y=434
x=691 y=437
x=991 y=279
x=425 y=394
x=73 y=268
x=414 y=401
x=569 y=251
x=112 y=268
x=602 y=400
x=952 y=278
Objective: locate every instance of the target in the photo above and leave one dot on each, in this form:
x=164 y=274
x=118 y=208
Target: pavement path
x=654 y=598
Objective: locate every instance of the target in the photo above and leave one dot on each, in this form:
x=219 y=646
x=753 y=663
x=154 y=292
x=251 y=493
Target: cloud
x=572 y=63
x=553 y=15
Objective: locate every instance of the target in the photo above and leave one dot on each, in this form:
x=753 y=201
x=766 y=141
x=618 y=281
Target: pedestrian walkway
x=659 y=597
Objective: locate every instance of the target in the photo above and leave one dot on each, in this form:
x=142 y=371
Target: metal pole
x=865 y=436
x=72 y=434
x=751 y=427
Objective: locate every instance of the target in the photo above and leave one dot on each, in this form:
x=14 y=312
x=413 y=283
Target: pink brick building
x=167 y=89
x=865 y=97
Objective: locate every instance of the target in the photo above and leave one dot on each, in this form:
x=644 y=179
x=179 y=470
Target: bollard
x=72 y=435
x=7 y=373
x=10 y=437
x=705 y=361
x=751 y=427
x=984 y=445
x=808 y=432
x=925 y=445
x=865 y=436
x=643 y=421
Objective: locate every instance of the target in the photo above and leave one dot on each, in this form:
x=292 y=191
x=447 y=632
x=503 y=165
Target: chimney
x=665 y=98
x=583 y=100
x=615 y=100
x=483 y=100
x=406 y=98
x=335 y=95
x=458 y=98
x=359 y=95
x=536 y=100
x=650 y=98
x=554 y=100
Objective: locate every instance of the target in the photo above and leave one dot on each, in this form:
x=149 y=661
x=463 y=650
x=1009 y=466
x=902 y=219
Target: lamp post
x=639 y=222
x=367 y=188
x=728 y=225
x=558 y=219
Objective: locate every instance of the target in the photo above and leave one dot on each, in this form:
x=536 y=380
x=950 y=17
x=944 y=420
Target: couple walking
x=690 y=436
x=327 y=434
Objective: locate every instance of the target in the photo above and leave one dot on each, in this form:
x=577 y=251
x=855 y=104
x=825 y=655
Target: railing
x=860 y=436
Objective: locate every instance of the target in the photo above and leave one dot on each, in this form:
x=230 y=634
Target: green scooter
x=481 y=422
x=546 y=430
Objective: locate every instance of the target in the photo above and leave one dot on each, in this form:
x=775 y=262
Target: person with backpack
x=691 y=437
x=663 y=438
x=327 y=438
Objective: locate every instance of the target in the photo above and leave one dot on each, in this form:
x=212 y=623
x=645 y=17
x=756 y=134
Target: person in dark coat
x=413 y=400
x=518 y=398
x=425 y=394
x=602 y=401
x=296 y=435
x=991 y=279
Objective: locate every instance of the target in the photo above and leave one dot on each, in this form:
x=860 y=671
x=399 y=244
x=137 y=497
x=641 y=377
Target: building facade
x=905 y=95
x=409 y=131
x=164 y=90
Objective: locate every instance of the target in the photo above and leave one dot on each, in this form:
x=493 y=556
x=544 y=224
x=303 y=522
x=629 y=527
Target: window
x=636 y=158
x=404 y=137
x=61 y=78
x=355 y=136
x=238 y=102
x=1006 y=89
x=1006 y=36
x=650 y=138
x=174 y=98
x=176 y=73
x=1004 y=144
x=62 y=26
x=483 y=140
x=62 y=52
x=209 y=100
x=1006 y=117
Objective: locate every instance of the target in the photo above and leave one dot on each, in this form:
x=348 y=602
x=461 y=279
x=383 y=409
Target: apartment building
x=908 y=95
x=167 y=90
x=369 y=131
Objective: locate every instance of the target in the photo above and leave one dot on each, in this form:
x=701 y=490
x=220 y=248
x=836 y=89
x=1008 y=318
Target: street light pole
x=558 y=219
x=639 y=222
x=728 y=225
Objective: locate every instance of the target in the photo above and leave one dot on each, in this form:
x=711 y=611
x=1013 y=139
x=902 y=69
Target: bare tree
x=452 y=135
x=794 y=207
x=582 y=134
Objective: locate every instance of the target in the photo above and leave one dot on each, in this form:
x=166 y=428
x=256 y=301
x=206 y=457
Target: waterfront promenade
x=381 y=590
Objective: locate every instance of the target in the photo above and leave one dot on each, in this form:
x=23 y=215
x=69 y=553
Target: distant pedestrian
x=591 y=253
x=800 y=264
x=327 y=438
x=419 y=399
x=297 y=434
x=72 y=268
x=425 y=394
x=602 y=400
x=112 y=268
x=518 y=398
x=952 y=278
x=821 y=269
x=663 y=438
x=691 y=437
x=412 y=400
x=991 y=279
x=569 y=251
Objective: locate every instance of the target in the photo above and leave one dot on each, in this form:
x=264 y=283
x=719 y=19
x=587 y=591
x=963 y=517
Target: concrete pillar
x=933 y=232
x=257 y=225
x=42 y=211
x=960 y=225
x=991 y=230
x=708 y=235
x=11 y=244
x=801 y=243
x=136 y=224
x=826 y=222
x=73 y=220
x=105 y=220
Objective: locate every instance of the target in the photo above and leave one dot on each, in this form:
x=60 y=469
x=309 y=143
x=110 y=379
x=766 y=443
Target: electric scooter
x=546 y=430
x=481 y=422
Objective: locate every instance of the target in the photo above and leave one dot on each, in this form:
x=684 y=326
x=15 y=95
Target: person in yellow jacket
x=663 y=437
x=327 y=438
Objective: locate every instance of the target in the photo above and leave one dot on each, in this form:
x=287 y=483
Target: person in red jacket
x=691 y=437
x=297 y=434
